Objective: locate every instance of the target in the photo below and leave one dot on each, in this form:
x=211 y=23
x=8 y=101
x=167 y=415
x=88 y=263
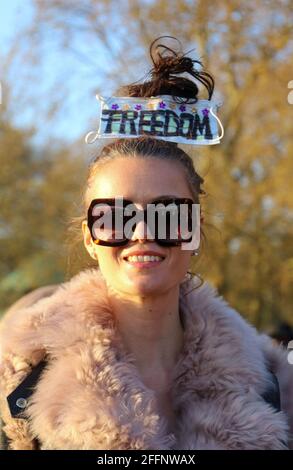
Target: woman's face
x=141 y=181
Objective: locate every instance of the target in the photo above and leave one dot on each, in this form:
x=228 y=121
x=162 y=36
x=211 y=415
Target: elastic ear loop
x=95 y=133
x=87 y=137
x=219 y=122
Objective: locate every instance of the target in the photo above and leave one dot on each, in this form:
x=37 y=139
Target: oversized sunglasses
x=170 y=221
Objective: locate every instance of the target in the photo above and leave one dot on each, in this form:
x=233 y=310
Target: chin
x=147 y=286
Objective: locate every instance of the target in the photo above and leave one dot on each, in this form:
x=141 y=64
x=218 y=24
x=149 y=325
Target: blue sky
x=12 y=13
x=79 y=114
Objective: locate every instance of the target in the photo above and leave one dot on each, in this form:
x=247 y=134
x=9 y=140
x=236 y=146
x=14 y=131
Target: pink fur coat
x=91 y=396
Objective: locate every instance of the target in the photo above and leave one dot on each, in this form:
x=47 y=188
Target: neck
x=151 y=329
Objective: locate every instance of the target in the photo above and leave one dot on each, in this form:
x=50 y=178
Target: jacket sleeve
x=14 y=432
x=277 y=357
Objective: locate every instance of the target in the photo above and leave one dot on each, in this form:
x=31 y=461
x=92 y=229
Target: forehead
x=140 y=179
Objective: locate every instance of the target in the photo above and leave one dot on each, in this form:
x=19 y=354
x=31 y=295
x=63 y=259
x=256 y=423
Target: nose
x=141 y=232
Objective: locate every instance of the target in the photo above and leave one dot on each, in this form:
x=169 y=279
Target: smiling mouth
x=141 y=261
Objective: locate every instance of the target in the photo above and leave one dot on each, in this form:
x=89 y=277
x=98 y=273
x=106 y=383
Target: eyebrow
x=158 y=198
x=164 y=196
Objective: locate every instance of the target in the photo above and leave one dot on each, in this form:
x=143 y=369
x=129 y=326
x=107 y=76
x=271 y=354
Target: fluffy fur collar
x=91 y=395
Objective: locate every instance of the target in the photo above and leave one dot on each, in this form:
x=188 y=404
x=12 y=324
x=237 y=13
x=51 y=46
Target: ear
x=86 y=233
x=87 y=239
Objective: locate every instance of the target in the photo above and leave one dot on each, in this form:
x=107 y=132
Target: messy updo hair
x=165 y=78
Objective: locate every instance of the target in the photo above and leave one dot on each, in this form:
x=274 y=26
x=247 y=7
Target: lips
x=143 y=253
x=143 y=262
x=143 y=259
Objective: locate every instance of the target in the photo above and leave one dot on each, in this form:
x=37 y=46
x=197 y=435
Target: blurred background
x=55 y=55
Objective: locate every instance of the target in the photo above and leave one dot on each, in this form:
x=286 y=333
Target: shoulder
x=35 y=320
x=38 y=323
x=31 y=298
x=232 y=347
x=223 y=331
x=42 y=302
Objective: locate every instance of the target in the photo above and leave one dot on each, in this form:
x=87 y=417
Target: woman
x=136 y=354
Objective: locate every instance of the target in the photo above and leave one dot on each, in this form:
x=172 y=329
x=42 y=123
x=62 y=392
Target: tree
x=36 y=193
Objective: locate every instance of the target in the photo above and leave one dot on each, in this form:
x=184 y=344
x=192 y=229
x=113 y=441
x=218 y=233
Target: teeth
x=142 y=259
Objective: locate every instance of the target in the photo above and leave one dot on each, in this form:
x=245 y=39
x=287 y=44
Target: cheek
x=177 y=267
x=180 y=257
x=180 y=265
x=107 y=257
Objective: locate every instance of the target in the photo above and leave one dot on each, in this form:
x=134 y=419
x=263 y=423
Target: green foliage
x=37 y=193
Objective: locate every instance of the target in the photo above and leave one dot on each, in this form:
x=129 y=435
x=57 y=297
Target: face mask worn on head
x=160 y=117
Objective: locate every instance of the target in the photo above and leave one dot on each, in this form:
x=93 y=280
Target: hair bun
x=166 y=75
x=171 y=64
